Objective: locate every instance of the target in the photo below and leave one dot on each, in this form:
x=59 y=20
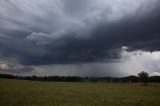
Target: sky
x=79 y=37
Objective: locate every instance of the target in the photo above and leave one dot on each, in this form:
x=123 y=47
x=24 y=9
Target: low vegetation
x=142 y=77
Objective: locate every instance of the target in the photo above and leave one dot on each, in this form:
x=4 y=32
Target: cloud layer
x=43 y=32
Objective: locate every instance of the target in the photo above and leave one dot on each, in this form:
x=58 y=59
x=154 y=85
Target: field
x=34 y=93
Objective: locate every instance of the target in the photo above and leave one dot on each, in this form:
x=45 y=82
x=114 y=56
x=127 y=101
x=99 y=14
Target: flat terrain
x=34 y=93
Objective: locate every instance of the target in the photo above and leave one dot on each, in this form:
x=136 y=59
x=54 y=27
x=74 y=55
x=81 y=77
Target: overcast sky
x=80 y=37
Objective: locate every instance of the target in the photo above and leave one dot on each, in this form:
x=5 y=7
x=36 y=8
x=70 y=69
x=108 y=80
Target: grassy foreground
x=33 y=93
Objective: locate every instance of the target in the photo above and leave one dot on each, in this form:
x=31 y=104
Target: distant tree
x=143 y=77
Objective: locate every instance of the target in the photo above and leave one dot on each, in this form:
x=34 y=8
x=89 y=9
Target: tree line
x=142 y=77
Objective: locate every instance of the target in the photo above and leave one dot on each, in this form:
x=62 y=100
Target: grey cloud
x=12 y=69
x=42 y=32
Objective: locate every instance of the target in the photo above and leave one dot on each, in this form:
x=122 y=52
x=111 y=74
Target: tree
x=143 y=77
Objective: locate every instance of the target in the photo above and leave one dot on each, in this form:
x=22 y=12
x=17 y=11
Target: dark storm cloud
x=67 y=31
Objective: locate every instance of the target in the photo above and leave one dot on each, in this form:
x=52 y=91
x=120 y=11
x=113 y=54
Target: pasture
x=34 y=93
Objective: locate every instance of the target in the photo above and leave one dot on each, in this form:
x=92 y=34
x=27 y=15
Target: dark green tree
x=143 y=77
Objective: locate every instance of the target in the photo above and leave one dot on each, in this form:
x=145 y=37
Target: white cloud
x=4 y=66
x=136 y=61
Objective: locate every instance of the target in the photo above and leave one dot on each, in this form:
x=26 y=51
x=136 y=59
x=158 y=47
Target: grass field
x=34 y=93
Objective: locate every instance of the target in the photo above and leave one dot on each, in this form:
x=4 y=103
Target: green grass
x=34 y=93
